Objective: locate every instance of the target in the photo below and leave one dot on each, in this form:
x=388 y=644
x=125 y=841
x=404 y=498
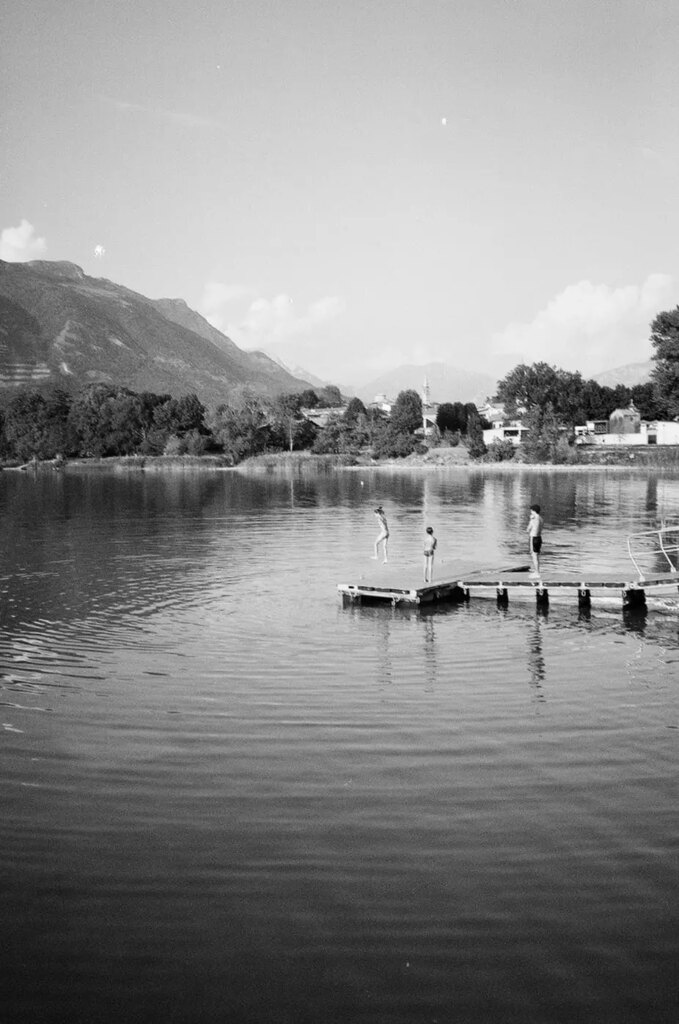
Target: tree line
x=107 y=420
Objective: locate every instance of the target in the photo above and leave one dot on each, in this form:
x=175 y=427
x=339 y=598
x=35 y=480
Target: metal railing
x=662 y=543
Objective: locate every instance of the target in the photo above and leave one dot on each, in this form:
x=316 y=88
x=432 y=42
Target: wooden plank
x=503 y=582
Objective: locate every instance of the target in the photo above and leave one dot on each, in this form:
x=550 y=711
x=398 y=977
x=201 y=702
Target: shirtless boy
x=534 y=531
x=383 y=537
x=429 y=549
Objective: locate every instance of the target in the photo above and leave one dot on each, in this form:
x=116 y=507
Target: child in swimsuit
x=383 y=537
x=534 y=531
x=429 y=549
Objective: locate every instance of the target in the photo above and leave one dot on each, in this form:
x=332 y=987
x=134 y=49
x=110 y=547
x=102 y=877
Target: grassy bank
x=274 y=462
x=664 y=457
x=124 y=463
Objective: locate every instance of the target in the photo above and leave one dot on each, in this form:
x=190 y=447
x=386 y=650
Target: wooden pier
x=500 y=585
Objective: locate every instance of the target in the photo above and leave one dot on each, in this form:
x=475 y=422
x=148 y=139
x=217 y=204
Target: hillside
x=60 y=327
x=629 y=375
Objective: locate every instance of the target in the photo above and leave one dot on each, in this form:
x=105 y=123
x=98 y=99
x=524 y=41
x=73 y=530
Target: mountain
x=629 y=375
x=60 y=327
x=316 y=383
x=446 y=383
x=313 y=381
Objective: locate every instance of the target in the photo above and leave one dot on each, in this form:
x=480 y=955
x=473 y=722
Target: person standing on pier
x=383 y=537
x=429 y=549
x=534 y=531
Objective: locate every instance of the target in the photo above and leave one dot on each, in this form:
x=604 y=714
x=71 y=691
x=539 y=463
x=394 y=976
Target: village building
x=501 y=428
x=505 y=430
x=626 y=427
x=382 y=404
x=322 y=416
x=429 y=411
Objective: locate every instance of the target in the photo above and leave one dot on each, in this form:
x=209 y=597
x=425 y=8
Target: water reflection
x=635 y=619
x=428 y=622
x=536 y=658
x=251 y=779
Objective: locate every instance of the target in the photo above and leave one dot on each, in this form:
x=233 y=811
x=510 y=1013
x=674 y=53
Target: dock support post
x=635 y=597
x=542 y=597
x=502 y=596
x=584 y=597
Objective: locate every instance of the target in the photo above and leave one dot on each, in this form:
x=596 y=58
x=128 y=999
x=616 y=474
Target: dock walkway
x=500 y=584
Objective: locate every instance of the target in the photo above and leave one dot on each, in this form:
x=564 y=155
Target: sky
x=356 y=186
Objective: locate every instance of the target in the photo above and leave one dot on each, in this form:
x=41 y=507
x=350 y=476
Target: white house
x=505 y=430
x=382 y=403
x=626 y=427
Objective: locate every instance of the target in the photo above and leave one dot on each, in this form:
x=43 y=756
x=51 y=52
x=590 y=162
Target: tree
x=545 y=441
x=153 y=437
x=308 y=399
x=241 y=429
x=339 y=437
x=595 y=402
x=451 y=417
x=406 y=412
x=526 y=386
x=285 y=414
x=648 y=402
x=25 y=425
x=354 y=410
x=393 y=444
x=89 y=419
x=124 y=416
x=571 y=399
x=180 y=415
x=475 y=443
x=568 y=403
x=330 y=396
x=665 y=374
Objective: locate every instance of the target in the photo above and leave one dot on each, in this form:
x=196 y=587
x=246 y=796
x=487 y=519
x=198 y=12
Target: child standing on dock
x=383 y=537
x=534 y=531
x=429 y=549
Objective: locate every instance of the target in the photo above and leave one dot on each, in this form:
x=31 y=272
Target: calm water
x=226 y=798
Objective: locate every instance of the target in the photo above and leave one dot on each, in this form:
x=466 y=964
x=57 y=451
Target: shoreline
x=132 y=463
x=436 y=460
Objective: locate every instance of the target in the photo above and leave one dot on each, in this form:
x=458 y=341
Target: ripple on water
x=350 y=814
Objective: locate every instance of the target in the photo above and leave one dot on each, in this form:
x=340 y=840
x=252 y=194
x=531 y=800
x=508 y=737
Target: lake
x=226 y=797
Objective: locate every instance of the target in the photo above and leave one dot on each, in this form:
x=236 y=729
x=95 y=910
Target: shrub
x=395 y=445
x=500 y=451
x=175 y=445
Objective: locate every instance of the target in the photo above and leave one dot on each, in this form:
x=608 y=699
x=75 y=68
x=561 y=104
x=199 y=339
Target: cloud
x=17 y=245
x=255 y=322
x=183 y=118
x=589 y=327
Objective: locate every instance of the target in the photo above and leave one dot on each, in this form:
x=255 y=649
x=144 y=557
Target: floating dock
x=503 y=584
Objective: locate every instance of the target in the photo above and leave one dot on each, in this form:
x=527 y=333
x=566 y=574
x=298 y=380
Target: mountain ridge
x=447 y=383
x=629 y=374
x=60 y=327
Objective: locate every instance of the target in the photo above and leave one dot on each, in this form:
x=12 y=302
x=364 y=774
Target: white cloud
x=184 y=118
x=17 y=245
x=255 y=322
x=590 y=327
